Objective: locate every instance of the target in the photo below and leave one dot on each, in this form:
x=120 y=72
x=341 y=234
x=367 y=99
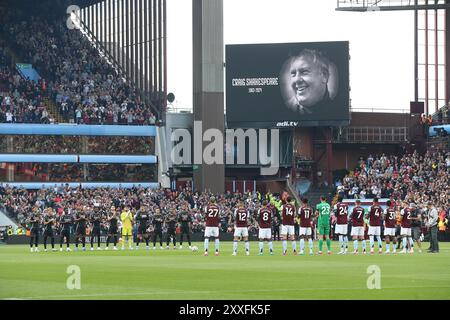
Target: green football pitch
x=183 y=274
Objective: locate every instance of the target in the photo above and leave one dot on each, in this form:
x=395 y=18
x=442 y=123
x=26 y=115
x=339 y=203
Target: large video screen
x=287 y=85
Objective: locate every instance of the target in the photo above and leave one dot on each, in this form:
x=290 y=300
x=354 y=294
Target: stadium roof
x=80 y=3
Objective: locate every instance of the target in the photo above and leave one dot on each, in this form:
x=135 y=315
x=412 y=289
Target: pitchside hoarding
x=287 y=85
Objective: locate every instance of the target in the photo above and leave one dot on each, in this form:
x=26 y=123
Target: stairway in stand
x=53 y=111
x=315 y=193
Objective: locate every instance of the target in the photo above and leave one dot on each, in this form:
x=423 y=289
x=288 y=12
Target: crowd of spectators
x=20 y=202
x=62 y=172
x=412 y=177
x=85 y=87
x=21 y=100
x=78 y=145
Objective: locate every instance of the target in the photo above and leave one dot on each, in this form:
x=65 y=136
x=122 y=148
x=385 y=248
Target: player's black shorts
x=48 y=233
x=95 y=232
x=80 y=232
x=113 y=231
x=34 y=232
x=397 y=231
x=185 y=229
x=158 y=232
x=65 y=233
x=171 y=231
x=142 y=230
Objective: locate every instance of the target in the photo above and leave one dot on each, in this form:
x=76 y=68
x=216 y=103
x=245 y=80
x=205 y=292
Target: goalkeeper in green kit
x=323 y=209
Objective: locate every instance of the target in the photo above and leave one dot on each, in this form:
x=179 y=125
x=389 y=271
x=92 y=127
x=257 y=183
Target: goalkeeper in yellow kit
x=127 y=227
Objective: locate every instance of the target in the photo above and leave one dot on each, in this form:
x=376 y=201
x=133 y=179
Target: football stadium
x=223 y=150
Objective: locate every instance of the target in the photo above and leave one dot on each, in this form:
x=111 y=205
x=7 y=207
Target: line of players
x=375 y=215
x=149 y=227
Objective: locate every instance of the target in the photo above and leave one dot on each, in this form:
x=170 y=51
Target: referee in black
x=185 y=219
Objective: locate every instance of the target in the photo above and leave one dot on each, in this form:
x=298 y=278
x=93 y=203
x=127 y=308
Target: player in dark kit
x=80 y=228
x=341 y=213
x=264 y=218
x=390 y=221
x=113 y=230
x=306 y=215
x=185 y=219
x=357 y=233
x=288 y=212
x=65 y=221
x=212 y=213
x=171 y=222
x=276 y=227
x=49 y=223
x=34 y=221
x=96 y=220
x=157 y=223
x=143 y=220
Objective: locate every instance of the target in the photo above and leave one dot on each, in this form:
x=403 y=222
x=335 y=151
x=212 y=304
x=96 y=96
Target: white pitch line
x=215 y=292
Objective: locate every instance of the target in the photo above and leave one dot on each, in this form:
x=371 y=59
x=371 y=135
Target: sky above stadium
x=381 y=44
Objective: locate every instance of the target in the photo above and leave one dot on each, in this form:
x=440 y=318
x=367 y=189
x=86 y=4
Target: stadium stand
x=80 y=85
x=413 y=178
x=19 y=202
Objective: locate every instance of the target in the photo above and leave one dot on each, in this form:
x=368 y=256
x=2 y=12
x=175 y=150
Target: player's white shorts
x=211 y=232
x=241 y=232
x=357 y=231
x=374 y=231
x=265 y=233
x=389 y=232
x=287 y=230
x=341 y=229
x=405 y=232
x=307 y=231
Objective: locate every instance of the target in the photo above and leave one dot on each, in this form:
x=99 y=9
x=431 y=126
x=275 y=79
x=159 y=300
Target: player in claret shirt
x=288 y=211
x=341 y=212
x=405 y=231
x=390 y=220
x=241 y=227
x=212 y=213
x=375 y=216
x=306 y=214
x=265 y=216
x=357 y=233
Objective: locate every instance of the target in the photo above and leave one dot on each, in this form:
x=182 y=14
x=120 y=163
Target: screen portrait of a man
x=308 y=80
